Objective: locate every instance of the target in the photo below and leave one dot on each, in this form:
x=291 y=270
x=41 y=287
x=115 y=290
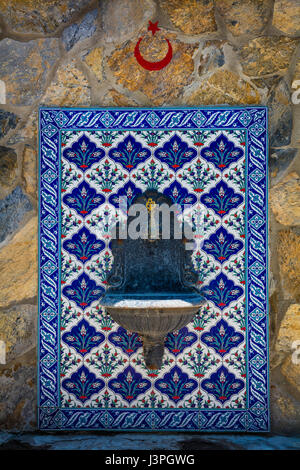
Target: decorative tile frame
x=253 y=418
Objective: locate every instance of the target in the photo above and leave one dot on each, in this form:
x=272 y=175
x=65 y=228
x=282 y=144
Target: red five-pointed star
x=153 y=27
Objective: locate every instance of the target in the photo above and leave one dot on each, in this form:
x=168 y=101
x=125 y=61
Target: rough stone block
x=68 y=88
x=18 y=330
x=223 y=87
x=7 y=121
x=280 y=115
x=285 y=200
x=18 y=266
x=279 y=162
x=93 y=59
x=289 y=330
x=39 y=16
x=291 y=372
x=245 y=16
x=29 y=170
x=12 y=210
x=18 y=394
x=80 y=31
x=266 y=55
x=285 y=409
x=8 y=170
x=121 y=19
x=24 y=68
x=191 y=17
x=27 y=131
x=212 y=56
x=286 y=16
x=289 y=262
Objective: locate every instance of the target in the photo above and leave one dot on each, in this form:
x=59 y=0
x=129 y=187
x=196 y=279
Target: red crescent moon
x=153 y=65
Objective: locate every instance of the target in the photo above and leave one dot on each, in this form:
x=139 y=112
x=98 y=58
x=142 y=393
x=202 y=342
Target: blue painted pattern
x=214 y=375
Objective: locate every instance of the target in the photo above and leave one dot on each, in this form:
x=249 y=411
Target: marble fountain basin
x=152 y=316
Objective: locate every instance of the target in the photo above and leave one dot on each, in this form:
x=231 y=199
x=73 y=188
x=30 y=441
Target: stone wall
x=80 y=53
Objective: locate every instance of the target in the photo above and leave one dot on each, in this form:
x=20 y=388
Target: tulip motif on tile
x=222 y=338
x=83 y=337
x=83 y=384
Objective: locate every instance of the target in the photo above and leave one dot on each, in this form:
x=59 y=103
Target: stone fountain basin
x=142 y=307
x=152 y=316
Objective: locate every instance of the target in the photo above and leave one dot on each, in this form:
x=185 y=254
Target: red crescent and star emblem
x=146 y=64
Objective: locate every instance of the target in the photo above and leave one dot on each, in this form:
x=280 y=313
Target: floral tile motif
x=92 y=372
